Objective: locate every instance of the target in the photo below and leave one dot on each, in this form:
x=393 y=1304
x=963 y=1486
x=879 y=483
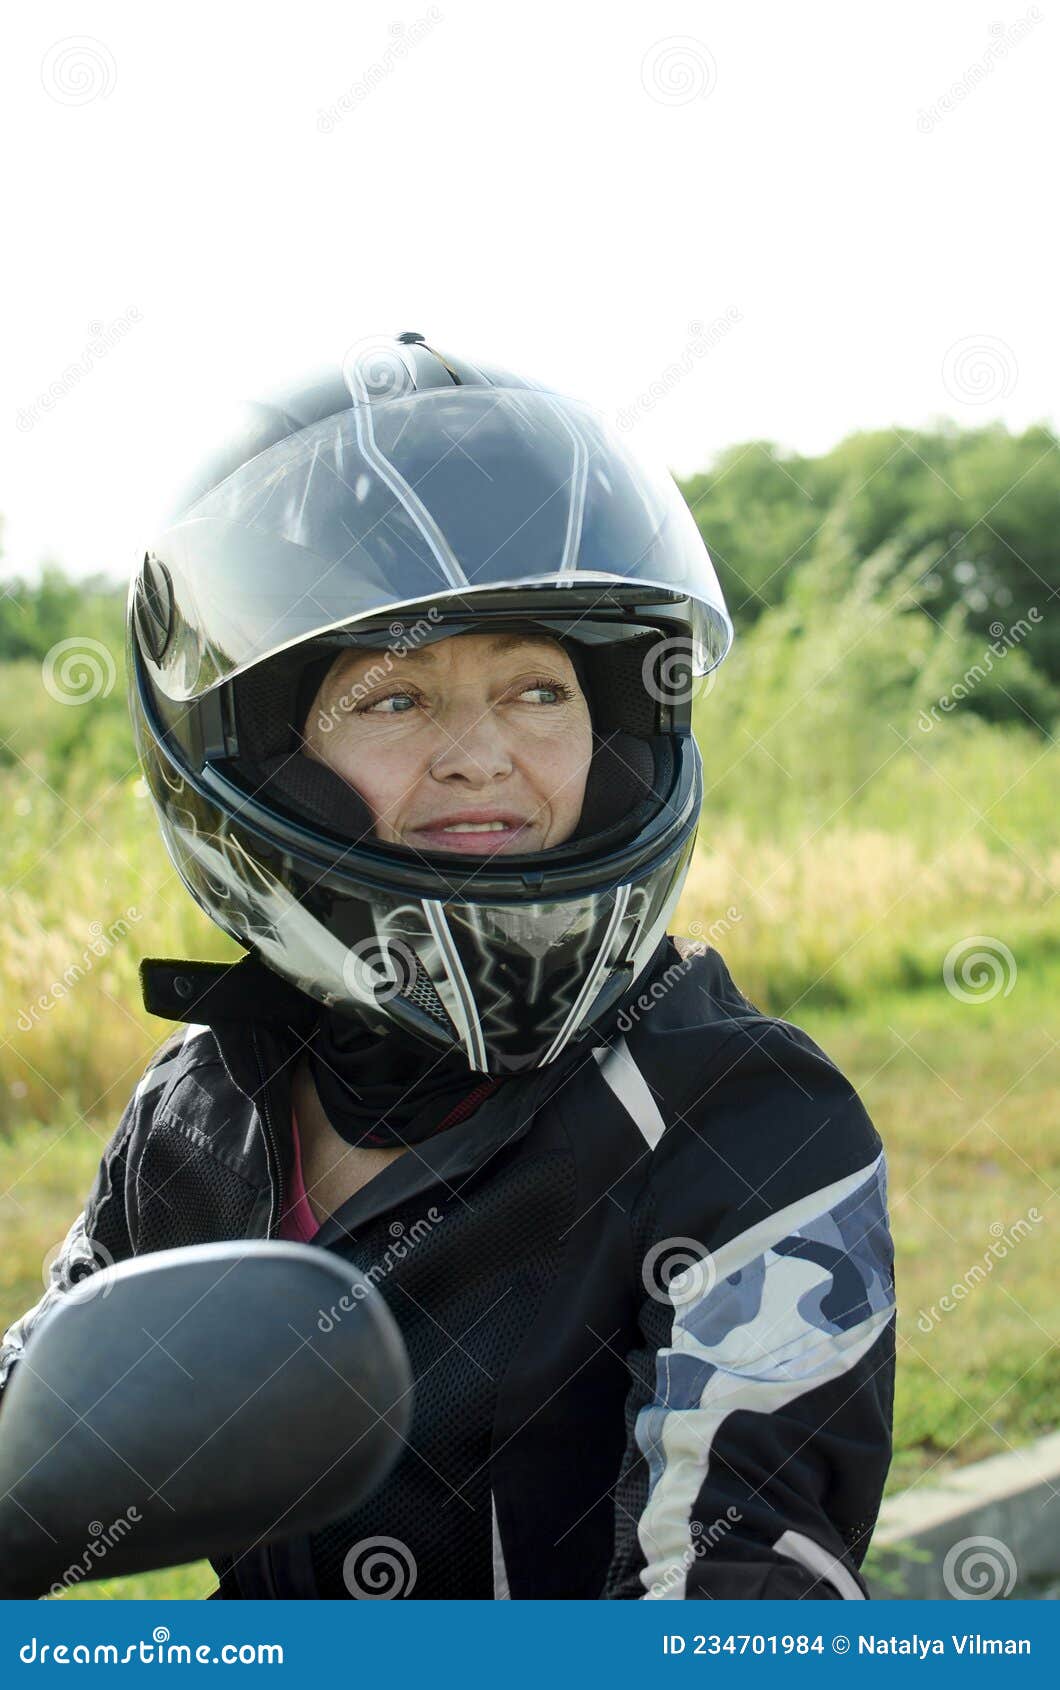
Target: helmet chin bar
x=511 y=987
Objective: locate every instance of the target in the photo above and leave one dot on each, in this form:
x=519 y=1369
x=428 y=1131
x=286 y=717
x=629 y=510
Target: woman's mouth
x=474 y=835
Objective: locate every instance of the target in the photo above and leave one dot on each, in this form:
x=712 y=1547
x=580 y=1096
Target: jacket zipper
x=271 y=1143
x=266 y=1564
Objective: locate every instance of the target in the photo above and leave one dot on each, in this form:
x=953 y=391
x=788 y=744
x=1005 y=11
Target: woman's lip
x=437 y=823
x=477 y=844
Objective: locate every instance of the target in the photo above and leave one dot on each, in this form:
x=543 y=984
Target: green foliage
x=76 y=747
x=979 y=509
x=35 y=617
x=848 y=700
x=62 y=684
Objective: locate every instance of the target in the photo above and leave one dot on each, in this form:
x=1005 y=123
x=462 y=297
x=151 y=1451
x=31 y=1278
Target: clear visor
x=422 y=498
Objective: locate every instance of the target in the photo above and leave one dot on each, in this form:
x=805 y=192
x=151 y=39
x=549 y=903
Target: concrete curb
x=929 y=1543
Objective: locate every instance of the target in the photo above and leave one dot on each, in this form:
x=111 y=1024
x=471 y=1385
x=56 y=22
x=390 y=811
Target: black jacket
x=584 y=1424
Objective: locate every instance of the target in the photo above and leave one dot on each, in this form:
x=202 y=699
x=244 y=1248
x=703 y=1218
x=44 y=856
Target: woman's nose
x=471 y=748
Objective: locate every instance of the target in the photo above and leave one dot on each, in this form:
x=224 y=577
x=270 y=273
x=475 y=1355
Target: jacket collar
x=207 y=992
x=450 y=1158
x=260 y=1021
x=259 y=1024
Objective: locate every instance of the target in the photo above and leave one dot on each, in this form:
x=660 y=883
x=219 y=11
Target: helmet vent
x=421 y=992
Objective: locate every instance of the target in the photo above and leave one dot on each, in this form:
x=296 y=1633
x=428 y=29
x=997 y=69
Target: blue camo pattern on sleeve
x=795 y=1313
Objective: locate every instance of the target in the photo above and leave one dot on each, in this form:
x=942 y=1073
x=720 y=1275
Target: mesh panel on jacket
x=459 y=1353
x=185 y=1196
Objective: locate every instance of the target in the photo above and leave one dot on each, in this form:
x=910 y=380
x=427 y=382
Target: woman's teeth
x=476 y=827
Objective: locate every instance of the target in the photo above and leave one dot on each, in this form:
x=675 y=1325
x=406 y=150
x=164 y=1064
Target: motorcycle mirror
x=192 y=1403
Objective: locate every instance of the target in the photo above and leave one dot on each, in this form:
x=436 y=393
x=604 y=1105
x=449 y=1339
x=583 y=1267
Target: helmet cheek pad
x=269 y=704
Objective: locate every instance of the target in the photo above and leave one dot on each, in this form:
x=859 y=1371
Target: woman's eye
x=394 y=704
x=545 y=692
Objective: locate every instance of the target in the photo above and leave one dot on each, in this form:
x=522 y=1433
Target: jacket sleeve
x=758 y=1423
x=100 y=1235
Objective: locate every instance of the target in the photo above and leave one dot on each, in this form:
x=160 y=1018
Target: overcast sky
x=793 y=220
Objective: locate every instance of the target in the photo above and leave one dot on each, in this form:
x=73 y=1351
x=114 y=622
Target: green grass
x=193 y=1583
x=967 y=1099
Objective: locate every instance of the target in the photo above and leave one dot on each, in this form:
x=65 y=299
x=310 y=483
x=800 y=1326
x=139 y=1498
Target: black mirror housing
x=209 y=1398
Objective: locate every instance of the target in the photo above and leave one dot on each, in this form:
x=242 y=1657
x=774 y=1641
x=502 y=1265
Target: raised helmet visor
x=428 y=497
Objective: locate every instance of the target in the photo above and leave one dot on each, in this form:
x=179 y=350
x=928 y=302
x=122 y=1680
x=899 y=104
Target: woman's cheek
x=561 y=776
x=385 y=779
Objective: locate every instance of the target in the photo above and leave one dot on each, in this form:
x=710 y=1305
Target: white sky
x=562 y=188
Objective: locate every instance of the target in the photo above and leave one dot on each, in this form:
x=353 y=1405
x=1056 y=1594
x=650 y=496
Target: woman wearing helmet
x=411 y=664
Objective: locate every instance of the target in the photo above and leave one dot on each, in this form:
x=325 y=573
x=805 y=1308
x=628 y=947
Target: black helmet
x=410 y=496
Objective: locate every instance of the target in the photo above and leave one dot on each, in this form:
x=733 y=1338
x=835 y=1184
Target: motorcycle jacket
x=646 y=1291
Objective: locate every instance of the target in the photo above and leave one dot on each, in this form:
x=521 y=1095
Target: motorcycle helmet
x=408 y=496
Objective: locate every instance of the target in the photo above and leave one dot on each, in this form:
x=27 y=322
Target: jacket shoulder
x=195 y=1162
x=757 y=1114
x=186 y=1050
x=203 y=1086
x=691 y=1007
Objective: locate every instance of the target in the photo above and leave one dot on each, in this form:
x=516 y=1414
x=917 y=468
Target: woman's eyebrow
x=504 y=642
x=500 y=643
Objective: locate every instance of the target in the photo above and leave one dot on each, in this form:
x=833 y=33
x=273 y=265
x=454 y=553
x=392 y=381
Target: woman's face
x=478 y=743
